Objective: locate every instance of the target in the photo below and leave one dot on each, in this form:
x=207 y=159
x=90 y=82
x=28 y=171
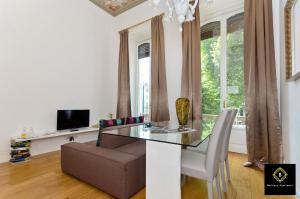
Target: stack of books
x=20 y=151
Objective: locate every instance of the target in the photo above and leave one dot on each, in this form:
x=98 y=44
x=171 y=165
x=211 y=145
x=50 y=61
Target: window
x=139 y=46
x=143 y=78
x=210 y=69
x=222 y=63
x=235 y=66
x=210 y=62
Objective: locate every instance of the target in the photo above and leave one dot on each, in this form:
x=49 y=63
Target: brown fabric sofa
x=117 y=167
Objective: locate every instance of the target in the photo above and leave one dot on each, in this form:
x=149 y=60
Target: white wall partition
x=163 y=170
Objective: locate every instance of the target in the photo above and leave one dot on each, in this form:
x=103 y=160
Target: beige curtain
x=191 y=65
x=123 y=106
x=159 y=93
x=264 y=137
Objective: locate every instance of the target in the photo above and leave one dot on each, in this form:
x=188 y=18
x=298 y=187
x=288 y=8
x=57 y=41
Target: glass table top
x=194 y=134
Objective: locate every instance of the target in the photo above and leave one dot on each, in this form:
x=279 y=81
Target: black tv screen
x=72 y=119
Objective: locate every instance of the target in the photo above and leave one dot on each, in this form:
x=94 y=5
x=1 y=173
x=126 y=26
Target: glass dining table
x=194 y=133
x=164 y=142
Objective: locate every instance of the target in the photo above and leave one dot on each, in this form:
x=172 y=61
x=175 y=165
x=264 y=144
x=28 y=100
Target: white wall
x=54 y=54
x=290 y=108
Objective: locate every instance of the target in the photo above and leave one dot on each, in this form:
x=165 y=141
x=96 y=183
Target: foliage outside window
x=222 y=79
x=210 y=62
x=210 y=73
x=235 y=66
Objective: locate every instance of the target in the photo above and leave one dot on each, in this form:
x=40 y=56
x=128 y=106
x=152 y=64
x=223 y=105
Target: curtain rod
x=140 y=23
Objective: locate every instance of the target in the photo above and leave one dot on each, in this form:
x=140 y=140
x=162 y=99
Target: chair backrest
x=215 y=144
x=224 y=154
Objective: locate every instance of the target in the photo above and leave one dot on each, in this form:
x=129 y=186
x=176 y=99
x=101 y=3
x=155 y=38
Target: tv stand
x=68 y=134
x=58 y=134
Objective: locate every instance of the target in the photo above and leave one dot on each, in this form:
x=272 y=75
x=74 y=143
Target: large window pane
x=210 y=68
x=235 y=65
x=144 y=72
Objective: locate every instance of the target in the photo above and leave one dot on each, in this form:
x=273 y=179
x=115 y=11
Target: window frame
x=223 y=18
x=137 y=72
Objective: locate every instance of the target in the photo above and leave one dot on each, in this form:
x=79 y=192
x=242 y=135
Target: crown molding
x=130 y=4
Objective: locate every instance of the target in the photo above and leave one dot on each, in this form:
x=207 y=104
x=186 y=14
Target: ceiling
x=116 y=7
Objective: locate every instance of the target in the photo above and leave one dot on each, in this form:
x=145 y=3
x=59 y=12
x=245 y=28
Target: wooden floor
x=42 y=178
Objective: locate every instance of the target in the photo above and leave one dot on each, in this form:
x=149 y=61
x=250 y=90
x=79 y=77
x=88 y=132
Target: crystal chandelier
x=184 y=10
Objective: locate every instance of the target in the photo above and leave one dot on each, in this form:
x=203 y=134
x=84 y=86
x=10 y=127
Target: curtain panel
x=191 y=65
x=264 y=137
x=124 y=103
x=159 y=93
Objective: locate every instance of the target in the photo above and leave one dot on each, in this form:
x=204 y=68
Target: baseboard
x=45 y=154
x=4 y=158
x=298 y=192
x=237 y=141
x=4 y=163
x=238 y=148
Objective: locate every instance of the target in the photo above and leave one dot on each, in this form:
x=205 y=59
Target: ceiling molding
x=116 y=7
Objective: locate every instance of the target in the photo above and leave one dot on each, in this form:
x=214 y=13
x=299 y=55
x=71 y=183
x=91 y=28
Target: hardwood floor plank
x=42 y=177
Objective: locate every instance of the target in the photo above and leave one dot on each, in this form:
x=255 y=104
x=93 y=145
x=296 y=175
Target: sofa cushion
x=137 y=120
x=130 y=120
x=117 y=157
x=106 y=123
x=104 y=141
x=114 y=141
x=137 y=149
x=109 y=123
x=120 y=121
x=120 y=127
x=141 y=119
x=91 y=143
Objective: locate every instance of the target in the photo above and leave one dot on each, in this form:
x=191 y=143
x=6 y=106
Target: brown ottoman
x=119 y=171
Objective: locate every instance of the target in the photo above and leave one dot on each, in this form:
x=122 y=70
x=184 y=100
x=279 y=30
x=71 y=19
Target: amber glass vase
x=182 y=111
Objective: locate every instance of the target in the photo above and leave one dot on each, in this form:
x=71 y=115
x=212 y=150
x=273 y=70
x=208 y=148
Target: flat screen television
x=72 y=119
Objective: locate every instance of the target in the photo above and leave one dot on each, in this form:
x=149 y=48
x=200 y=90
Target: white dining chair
x=224 y=154
x=203 y=166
